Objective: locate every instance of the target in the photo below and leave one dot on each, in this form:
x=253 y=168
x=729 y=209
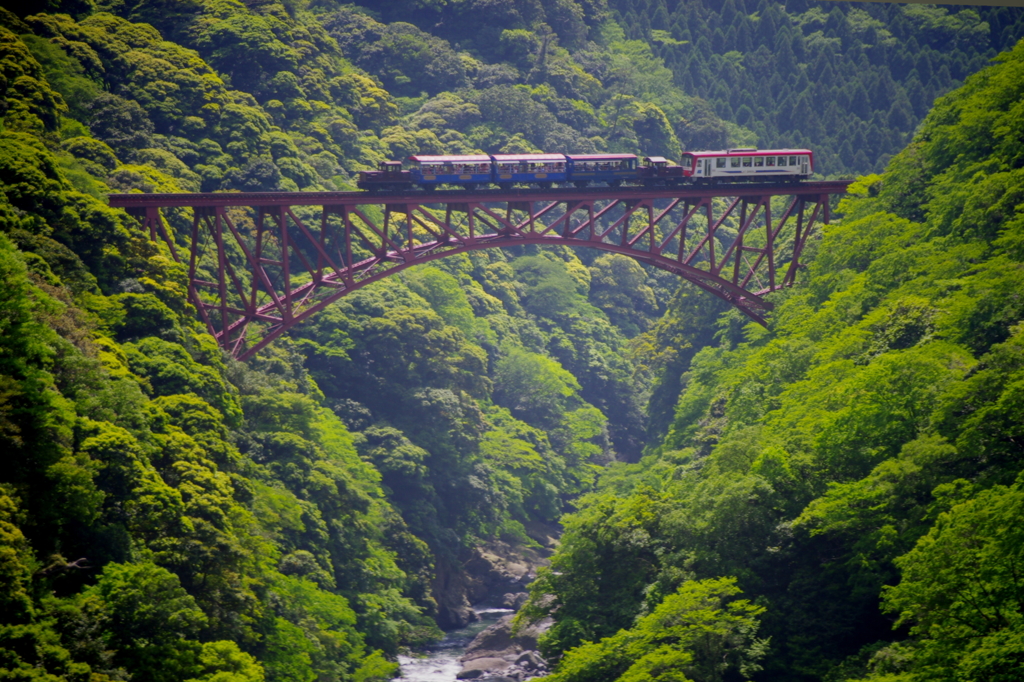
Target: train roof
x=750 y=152
x=465 y=158
x=655 y=159
x=601 y=157
x=529 y=157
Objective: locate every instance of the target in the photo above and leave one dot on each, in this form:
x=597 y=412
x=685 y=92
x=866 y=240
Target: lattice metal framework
x=256 y=267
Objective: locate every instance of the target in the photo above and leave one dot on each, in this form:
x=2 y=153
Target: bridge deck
x=211 y=199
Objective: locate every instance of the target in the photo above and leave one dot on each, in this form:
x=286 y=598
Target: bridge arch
x=722 y=239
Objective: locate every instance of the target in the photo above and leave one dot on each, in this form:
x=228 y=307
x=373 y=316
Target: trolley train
x=472 y=171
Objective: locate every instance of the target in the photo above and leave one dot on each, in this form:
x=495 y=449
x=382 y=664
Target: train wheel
x=470 y=186
x=429 y=188
x=505 y=186
x=614 y=183
x=544 y=185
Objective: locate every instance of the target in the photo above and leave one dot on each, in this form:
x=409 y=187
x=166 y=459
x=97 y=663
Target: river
x=440 y=662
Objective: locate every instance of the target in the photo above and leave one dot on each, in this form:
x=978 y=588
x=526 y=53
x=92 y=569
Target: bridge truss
x=261 y=263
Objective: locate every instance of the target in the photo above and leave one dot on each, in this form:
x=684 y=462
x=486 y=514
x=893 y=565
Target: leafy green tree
x=618 y=286
x=960 y=593
x=224 y=662
x=15 y=564
x=244 y=46
x=445 y=296
x=120 y=123
x=31 y=105
x=153 y=620
x=533 y=386
x=550 y=289
x=700 y=633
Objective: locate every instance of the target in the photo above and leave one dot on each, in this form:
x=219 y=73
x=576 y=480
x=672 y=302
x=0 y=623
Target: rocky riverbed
x=485 y=651
x=442 y=662
x=496 y=655
x=480 y=645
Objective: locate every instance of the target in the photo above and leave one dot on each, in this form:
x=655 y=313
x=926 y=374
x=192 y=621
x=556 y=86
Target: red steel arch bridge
x=260 y=263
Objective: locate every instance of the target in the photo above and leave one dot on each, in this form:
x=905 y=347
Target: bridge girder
x=256 y=268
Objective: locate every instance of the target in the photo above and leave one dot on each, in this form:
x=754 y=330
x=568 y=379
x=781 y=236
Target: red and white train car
x=748 y=163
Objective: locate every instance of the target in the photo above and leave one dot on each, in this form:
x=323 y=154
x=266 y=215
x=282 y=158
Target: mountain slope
x=855 y=463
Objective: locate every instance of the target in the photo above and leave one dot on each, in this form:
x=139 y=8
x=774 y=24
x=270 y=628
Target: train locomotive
x=473 y=171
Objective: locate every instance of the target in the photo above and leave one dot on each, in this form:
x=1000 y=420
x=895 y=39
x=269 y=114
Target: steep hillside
x=171 y=514
x=856 y=467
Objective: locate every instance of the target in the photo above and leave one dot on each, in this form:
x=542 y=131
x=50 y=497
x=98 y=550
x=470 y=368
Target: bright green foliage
x=223 y=662
x=15 y=564
x=865 y=439
x=618 y=286
x=550 y=290
x=700 y=633
x=534 y=387
x=608 y=555
x=168 y=513
x=151 y=620
x=33 y=106
x=961 y=593
x=170 y=553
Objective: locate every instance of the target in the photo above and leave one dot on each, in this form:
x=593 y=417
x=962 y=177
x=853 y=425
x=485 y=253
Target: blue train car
x=539 y=169
x=470 y=170
x=611 y=169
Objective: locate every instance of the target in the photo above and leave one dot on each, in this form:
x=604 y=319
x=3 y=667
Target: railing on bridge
x=260 y=263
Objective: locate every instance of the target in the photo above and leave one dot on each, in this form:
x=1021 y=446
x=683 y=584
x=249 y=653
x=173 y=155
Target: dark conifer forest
x=835 y=497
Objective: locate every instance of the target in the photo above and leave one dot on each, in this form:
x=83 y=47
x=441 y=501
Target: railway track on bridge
x=199 y=199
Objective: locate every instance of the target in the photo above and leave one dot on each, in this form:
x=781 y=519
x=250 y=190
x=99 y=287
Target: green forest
x=835 y=497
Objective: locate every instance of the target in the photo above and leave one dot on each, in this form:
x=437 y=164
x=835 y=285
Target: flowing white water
x=440 y=662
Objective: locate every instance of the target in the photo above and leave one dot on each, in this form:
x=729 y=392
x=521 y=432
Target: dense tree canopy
x=856 y=465
x=167 y=513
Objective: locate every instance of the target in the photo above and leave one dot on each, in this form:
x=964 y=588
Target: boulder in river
x=496 y=653
x=514 y=600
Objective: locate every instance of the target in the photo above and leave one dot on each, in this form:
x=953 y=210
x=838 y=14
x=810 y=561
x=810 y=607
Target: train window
x=734 y=162
x=782 y=160
x=759 y=161
x=719 y=163
x=792 y=161
x=746 y=162
x=770 y=161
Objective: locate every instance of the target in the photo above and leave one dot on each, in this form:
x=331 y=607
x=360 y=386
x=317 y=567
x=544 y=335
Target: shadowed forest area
x=835 y=497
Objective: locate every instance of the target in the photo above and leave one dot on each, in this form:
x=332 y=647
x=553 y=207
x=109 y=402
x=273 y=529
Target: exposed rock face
x=453 y=609
x=496 y=654
x=496 y=573
x=499 y=569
